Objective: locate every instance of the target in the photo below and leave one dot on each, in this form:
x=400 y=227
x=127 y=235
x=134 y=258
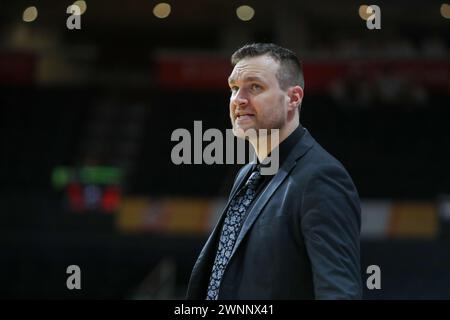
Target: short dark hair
x=290 y=72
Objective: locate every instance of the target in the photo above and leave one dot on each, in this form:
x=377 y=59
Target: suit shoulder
x=319 y=161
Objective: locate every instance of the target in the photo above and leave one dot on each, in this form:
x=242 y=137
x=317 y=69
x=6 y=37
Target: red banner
x=211 y=73
x=17 y=68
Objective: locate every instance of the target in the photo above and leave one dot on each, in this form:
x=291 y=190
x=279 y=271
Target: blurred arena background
x=86 y=120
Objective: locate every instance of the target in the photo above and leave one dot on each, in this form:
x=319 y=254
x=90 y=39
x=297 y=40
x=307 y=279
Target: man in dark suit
x=291 y=235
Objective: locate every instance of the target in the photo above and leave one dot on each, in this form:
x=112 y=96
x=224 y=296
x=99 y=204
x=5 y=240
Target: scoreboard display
x=89 y=188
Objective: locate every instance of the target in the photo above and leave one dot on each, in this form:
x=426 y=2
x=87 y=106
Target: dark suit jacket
x=300 y=239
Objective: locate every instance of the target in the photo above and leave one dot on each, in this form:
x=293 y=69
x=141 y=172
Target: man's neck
x=266 y=143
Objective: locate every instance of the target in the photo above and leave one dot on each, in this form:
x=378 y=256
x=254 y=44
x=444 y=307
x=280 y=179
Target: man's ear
x=295 y=97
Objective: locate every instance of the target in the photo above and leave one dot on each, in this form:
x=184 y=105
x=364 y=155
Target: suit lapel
x=302 y=146
x=239 y=181
x=237 y=185
x=208 y=252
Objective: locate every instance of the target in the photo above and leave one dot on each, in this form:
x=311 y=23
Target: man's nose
x=240 y=100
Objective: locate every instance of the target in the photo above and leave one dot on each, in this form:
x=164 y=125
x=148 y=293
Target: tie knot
x=254 y=178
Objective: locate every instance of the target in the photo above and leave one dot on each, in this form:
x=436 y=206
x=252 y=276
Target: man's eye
x=234 y=89
x=255 y=86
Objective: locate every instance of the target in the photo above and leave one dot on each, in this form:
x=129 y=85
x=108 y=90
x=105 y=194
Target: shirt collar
x=285 y=146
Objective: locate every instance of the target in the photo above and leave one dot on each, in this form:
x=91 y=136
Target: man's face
x=257 y=101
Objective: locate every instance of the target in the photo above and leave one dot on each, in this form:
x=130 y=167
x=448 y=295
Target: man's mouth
x=244 y=116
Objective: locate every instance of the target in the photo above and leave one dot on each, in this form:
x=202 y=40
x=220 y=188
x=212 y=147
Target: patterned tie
x=230 y=231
